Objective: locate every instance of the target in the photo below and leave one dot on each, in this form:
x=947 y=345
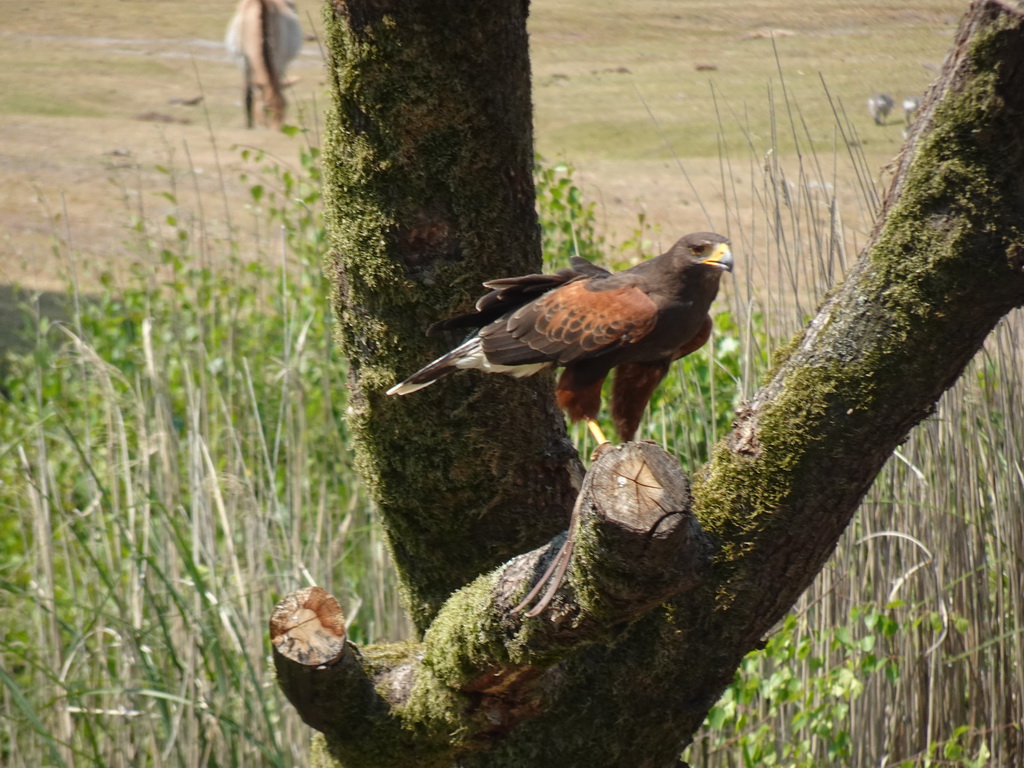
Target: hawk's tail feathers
x=438 y=369
x=469 y=354
x=425 y=376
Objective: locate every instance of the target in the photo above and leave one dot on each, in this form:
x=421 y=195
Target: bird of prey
x=590 y=320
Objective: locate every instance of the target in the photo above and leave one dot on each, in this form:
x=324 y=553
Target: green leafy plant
x=177 y=462
x=568 y=223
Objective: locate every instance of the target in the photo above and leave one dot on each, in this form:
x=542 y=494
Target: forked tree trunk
x=428 y=187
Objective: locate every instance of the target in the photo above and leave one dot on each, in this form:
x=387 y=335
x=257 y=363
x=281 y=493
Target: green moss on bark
x=900 y=330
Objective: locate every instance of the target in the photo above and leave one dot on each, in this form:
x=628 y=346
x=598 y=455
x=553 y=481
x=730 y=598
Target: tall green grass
x=173 y=459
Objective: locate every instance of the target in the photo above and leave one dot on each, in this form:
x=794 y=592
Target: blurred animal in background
x=880 y=105
x=264 y=36
x=910 y=106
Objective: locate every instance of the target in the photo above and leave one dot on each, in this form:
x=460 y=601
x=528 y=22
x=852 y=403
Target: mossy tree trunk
x=428 y=186
x=429 y=177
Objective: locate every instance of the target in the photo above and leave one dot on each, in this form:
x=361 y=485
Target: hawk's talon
x=595 y=430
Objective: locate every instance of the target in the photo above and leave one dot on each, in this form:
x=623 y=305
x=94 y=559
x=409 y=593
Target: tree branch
x=944 y=264
x=481 y=665
x=353 y=696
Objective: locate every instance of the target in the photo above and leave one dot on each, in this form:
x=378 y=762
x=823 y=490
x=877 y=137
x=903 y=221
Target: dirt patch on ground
x=74 y=186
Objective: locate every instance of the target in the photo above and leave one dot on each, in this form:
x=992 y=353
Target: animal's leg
x=248 y=97
x=579 y=391
x=631 y=391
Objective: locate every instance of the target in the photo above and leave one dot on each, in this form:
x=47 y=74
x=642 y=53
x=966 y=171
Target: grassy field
x=173 y=456
x=624 y=129
x=91 y=140
x=620 y=92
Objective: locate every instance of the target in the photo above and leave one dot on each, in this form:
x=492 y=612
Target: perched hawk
x=589 y=320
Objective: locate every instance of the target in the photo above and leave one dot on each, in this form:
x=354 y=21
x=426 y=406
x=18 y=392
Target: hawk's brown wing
x=509 y=293
x=570 y=324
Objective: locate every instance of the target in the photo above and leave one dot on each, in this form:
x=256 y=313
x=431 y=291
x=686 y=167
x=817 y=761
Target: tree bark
x=429 y=177
x=429 y=160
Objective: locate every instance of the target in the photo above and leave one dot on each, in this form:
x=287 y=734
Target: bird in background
x=588 y=321
x=910 y=106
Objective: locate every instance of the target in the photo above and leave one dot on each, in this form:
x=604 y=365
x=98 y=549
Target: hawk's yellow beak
x=721 y=256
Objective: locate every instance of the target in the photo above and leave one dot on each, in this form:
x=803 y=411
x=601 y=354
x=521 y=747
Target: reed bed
x=907 y=649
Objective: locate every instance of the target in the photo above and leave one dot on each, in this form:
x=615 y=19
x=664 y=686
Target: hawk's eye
x=697 y=250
